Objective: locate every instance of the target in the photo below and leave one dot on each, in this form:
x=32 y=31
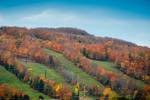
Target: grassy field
x=11 y=80
x=39 y=69
x=68 y=65
x=111 y=67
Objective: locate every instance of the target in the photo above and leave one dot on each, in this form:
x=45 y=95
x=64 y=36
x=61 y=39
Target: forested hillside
x=70 y=63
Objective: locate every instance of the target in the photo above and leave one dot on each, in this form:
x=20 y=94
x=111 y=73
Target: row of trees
x=28 y=49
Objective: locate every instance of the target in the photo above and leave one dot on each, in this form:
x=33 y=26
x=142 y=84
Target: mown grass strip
x=11 y=80
x=40 y=69
x=111 y=67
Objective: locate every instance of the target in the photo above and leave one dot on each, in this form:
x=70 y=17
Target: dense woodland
x=81 y=48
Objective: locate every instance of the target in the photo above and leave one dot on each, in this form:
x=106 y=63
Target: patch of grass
x=68 y=65
x=40 y=69
x=11 y=80
x=107 y=65
x=111 y=67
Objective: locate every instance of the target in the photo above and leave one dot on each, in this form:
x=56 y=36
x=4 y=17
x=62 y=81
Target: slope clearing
x=11 y=80
x=111 y=67
x=40 y=69
x=68 y=65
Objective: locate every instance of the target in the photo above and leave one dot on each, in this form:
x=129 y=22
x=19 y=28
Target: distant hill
x=66 y=30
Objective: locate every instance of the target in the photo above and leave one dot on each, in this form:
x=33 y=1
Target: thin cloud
x=50 y=16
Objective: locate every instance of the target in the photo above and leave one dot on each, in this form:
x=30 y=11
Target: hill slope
x=9 y=79
x=79 y=59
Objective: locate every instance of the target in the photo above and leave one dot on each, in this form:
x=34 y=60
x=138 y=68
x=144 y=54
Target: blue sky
x=124 y=19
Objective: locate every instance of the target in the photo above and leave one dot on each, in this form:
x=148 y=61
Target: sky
x=123 y=19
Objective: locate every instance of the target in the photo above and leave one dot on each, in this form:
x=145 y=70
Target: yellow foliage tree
x=111 y=94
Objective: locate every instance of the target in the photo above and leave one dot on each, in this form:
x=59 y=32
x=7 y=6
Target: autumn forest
x=71 y=64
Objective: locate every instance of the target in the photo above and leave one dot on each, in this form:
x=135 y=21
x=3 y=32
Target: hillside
x=11 y=80
x=69 y=63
